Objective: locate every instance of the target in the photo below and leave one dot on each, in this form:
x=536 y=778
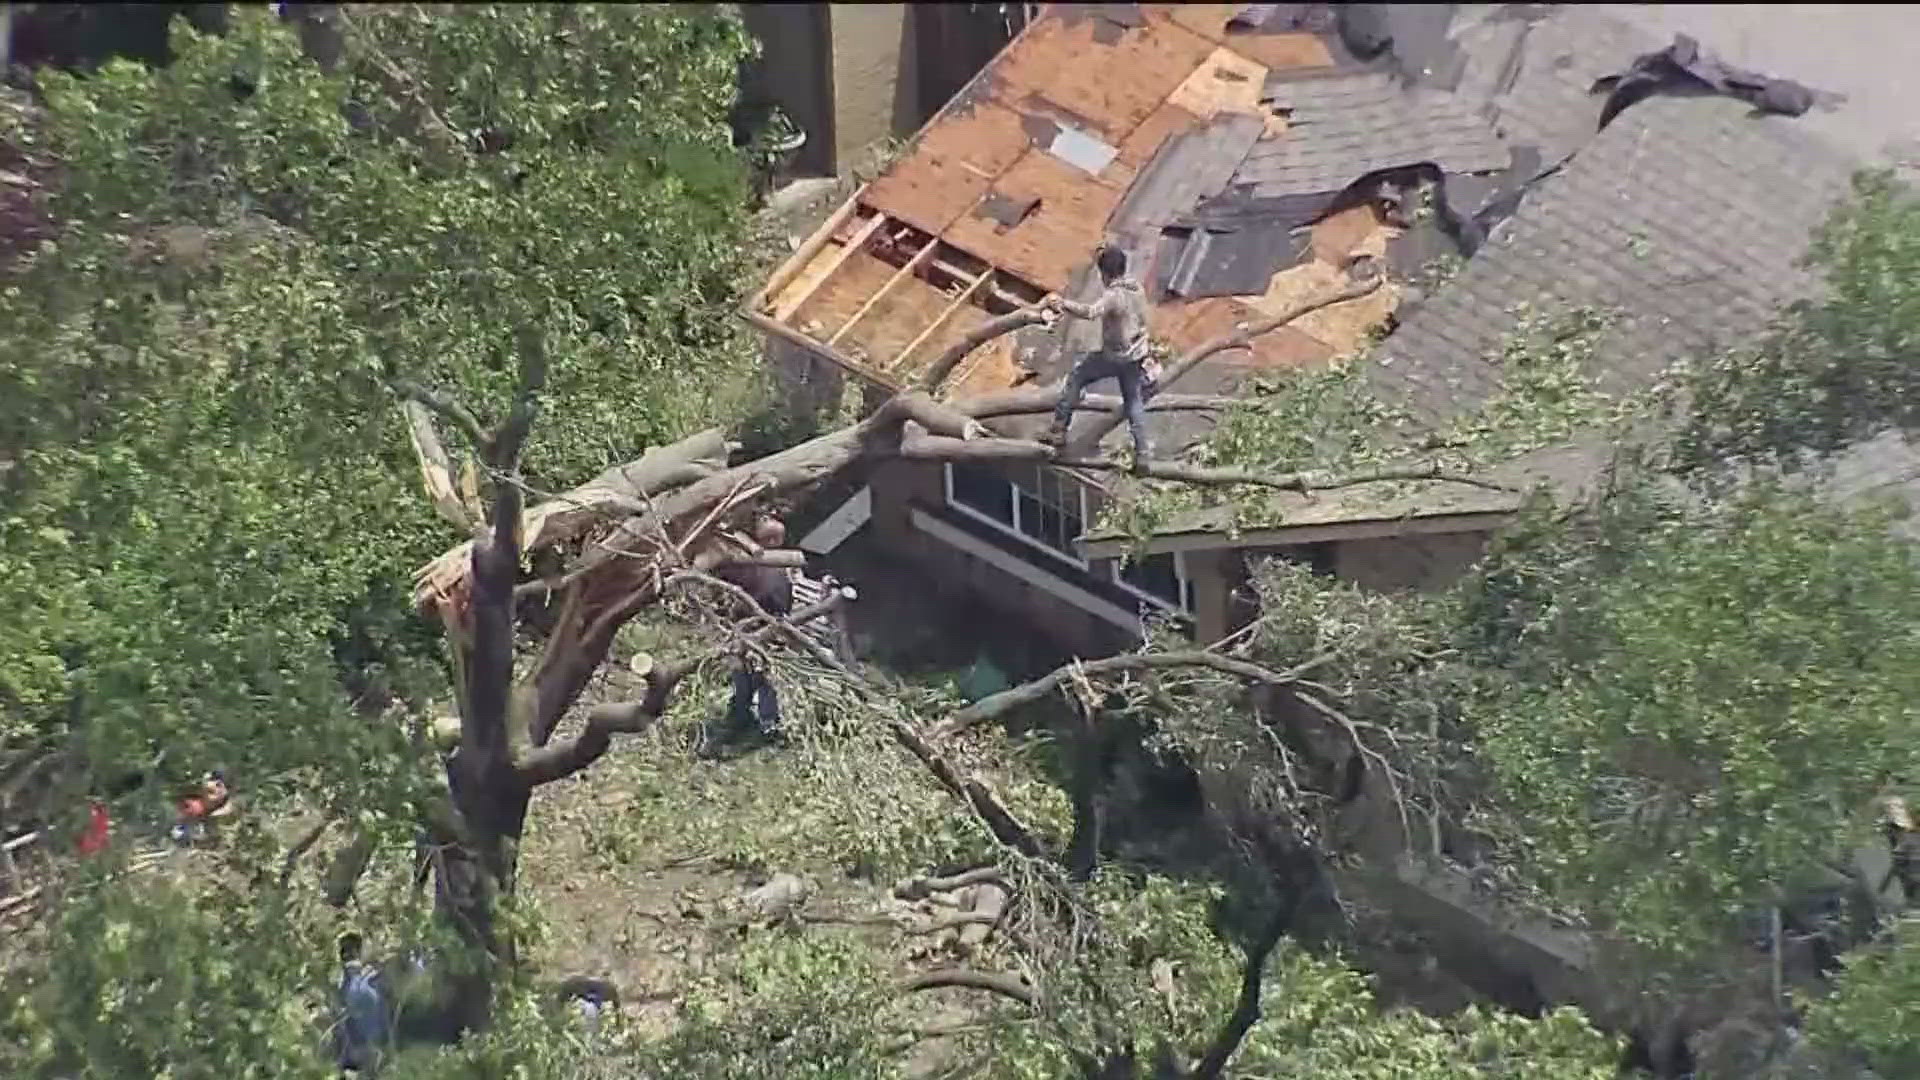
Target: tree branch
x=1011 y=986
x=1246 y=1012
x=448 y=409
x=301 y=847
x=992 y=812
x=557 y=760
x=944 y=364
x=562 y=759
x=785 y=627
x=996 y=705
x=503 y=446
x=445 y=147
x=1239 y=339
x=920 y=888
x=919 y=447
x=1042 y=399
x=436 y=466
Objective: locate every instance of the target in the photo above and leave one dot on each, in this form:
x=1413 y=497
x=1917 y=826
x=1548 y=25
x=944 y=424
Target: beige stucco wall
x=874 y=81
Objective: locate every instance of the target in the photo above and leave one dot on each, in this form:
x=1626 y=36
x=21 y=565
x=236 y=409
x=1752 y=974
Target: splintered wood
x=1344 y=328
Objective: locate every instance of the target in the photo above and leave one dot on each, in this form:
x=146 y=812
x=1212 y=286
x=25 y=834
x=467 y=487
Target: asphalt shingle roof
x=1343 y=126
x=1686 y=216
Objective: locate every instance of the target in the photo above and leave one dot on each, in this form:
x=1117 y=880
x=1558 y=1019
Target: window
x=1041 y=506
x=1160 y=579
x=1051 y=510
x=981 y=490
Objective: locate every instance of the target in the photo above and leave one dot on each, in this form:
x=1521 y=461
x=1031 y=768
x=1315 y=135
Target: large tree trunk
x=474 y=874
x=665 y=520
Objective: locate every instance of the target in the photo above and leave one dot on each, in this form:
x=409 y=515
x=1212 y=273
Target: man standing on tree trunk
x=754 y=701
x=1122 y=356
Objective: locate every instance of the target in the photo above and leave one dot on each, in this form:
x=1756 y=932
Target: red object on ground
x=98 y=825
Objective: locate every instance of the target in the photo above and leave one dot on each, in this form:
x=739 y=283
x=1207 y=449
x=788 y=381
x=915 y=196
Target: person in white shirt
x=1123 y=355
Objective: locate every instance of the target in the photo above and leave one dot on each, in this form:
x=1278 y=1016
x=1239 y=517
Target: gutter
x=1110 y=546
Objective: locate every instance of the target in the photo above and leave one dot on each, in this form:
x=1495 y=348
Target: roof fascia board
x=1215 y=540
x=818 y=239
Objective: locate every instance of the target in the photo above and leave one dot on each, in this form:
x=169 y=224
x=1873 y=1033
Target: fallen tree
x=680 y=512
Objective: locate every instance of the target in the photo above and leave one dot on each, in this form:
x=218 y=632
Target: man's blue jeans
x=754 y=703
x=1128 y=373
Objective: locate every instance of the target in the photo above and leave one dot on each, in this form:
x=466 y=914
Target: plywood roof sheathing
x=1282 y=52
x=964 y=297
x=905 y=271
x=1111 y=85
x=1060 y=234
x=859 y=240
x=952 y=165
x=1224 y=82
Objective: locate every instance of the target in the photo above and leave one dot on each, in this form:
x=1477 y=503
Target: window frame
x=1014 y=530
x=1111 y=573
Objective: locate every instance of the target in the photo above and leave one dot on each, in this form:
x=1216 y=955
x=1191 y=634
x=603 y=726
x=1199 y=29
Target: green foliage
x=1870 y=1015
x=1700 y=706
x=1319 y=1018
x=163 y=977
x=1330 y=421
x=208 y=492
x=1835 y=370
x=784 y=1005
x=209 y=510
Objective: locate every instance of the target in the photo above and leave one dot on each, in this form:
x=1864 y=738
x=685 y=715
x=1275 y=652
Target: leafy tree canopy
x=208 y=497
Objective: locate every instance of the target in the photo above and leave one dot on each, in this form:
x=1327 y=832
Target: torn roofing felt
x=1408 y=40
x=1683 y=68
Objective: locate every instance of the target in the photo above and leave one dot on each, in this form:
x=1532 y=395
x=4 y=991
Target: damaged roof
x=1098 y=123
x=1686 y=215
x=1243 y=154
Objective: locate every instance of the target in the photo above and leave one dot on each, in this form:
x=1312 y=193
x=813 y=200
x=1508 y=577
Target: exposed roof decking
x=1083 y=83
x=1686 y=216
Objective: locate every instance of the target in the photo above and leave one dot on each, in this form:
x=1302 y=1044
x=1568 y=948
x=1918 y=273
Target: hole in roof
x=1081 y=150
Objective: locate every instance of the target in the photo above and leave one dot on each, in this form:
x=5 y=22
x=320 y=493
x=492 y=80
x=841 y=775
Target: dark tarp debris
x=1364 y=29
x=1409 y=39
x=1233 y=244
x=1283 y=19
x=1238 y=262
x=1682 y=68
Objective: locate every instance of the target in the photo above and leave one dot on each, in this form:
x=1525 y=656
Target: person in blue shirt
x=363 y=1005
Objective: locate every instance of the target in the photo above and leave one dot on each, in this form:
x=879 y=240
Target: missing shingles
x=1040 y=129
x=1008 y=212
x=1110 y=21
